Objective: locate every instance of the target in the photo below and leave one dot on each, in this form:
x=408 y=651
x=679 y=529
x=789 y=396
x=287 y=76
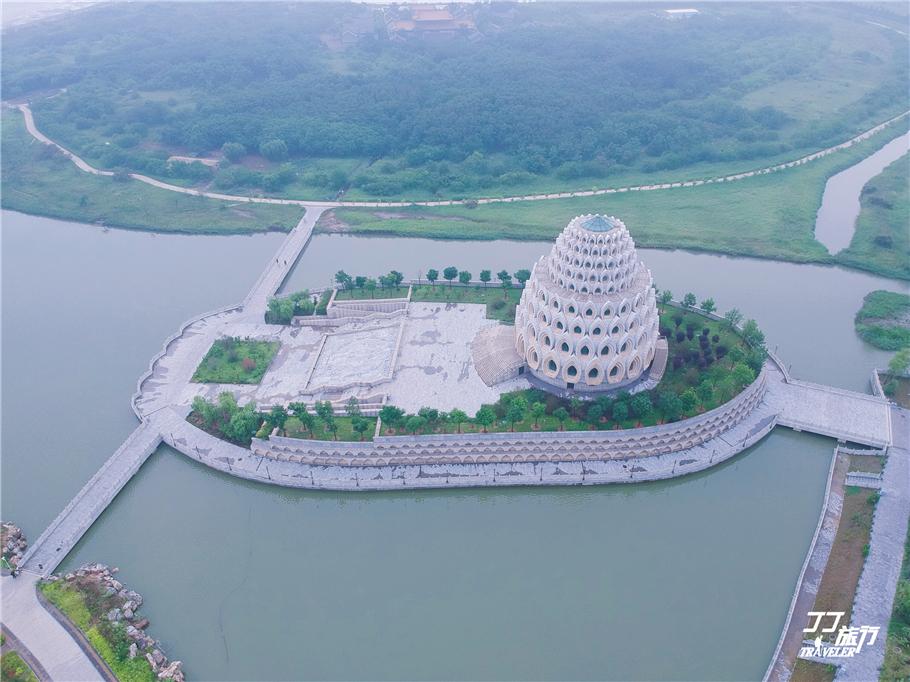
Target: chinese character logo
x=849 y=640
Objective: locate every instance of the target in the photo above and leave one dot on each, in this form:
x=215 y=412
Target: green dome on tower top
x=599 y=223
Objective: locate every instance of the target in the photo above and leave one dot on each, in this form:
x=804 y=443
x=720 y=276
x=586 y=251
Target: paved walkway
x=878 y=582
x=828 y=411
x=47 y=640
x=64 y=532
x=83 y=165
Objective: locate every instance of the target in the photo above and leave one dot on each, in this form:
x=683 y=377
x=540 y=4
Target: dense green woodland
x=561 y=92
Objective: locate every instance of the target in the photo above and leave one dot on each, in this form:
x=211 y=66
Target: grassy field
x=882 y=241
x=39 y=181
x=809 y=671
x=768 y=216
x=236 y=361
x=848 y=553
x=884 y=320
x=86 y=608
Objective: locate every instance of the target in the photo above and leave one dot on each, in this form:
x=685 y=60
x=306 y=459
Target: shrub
x=248 y=364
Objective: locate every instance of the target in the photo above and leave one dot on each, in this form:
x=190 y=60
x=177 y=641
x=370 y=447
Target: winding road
x=83 y=165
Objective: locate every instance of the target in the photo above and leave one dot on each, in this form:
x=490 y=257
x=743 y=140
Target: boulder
x=117 y=584
x=151 y=660
x=142 y=623
x=132 y=632
x=171 y=671
x=114 y=615
x=160 y=658
x=134 y=651
x=128 y=614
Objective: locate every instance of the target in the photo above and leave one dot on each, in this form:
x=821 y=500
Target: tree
x=538 y=410
x=277 y=416
x=742 y=374
x=430 y=414
x=458 y=417
x=485 y=416
x=641 y=405
x=665 y=296
x=396 y=278
x=595 y=412
x=522 y=276
x=432 y=276
x=689 y=399
x=344 y=279
x=561 y=414
x=708 y=305
x=733 y=317
x=326 y=413
x=359 y=282
x=620 y=411
x=415 y=423
x=449 y=274
x=689 y=300
x=370 y=285
x=464 y=277
x=352 y=407
x=233 y=151
x=300 y=411
x=671 y=405
x=736 y=354
x=331 y=426
x=391 y=416
x=753 y=335
x=243 y=424
x=360 y=425
x=485 y=277
x=280 y=310
x=900 y=363
x=575 y=405
x=516 y=412
x=274 y=149
x=705 y=392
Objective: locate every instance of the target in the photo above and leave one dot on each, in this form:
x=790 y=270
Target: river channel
x=683 y=579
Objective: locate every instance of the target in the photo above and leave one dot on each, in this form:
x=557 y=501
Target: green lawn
x=364 y=294
x=500 y=302
x=881 y=242
x=85 y=607
x=39 y=181
x=884 y=320
x=236 y=361
x=769 y=216
x=293 y=429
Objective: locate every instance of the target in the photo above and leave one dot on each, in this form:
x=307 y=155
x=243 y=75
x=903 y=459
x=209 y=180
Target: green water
x=685 y=579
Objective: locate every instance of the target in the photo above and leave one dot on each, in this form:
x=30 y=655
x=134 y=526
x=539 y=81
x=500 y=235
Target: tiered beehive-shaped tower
x=587 y=319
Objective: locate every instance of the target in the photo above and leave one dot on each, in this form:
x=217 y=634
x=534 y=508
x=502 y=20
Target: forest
x=321 y=98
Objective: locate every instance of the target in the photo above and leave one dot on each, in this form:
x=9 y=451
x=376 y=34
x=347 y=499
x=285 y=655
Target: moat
x=337 y=533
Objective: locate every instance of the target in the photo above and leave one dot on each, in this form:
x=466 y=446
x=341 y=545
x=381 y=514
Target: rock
x=171 y=671
x=132 y=632
x=142 y=624
x=128 y=614
x=151 y=660
x=108 y=591
x=122 y=594
x=134 y=650
x=129 y=604
x=117 y=585
x=136 y=597
x=69 y=576
x=159 y=657
x=114 y=615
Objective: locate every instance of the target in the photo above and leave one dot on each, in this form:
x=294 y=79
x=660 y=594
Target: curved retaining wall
x=481 y=448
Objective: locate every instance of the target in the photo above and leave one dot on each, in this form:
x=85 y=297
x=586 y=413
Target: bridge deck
x=64 y=531
x=846 y=415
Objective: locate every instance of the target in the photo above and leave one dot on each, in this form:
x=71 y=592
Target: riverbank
x=38 y=180
x=105 y=614
x=765 y=216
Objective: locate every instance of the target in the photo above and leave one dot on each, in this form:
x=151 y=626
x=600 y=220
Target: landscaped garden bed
x=236 y=361
x=14 y=669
